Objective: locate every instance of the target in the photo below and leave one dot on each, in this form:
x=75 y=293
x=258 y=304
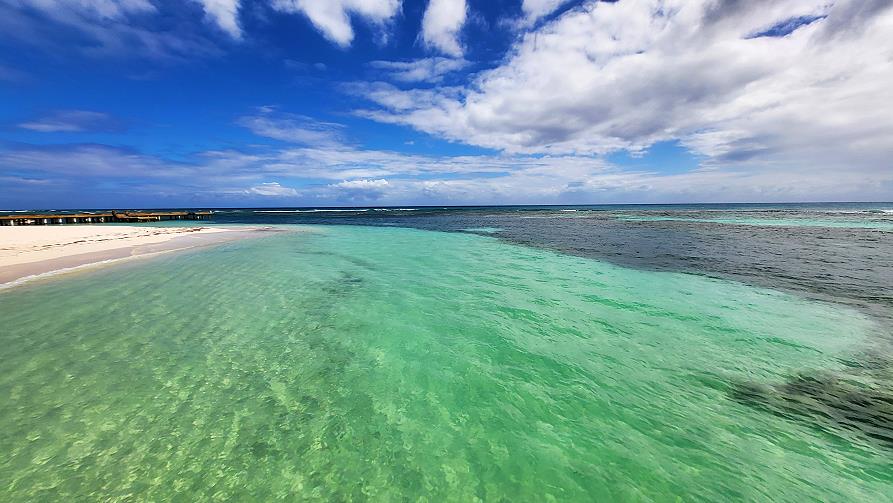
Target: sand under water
x=389 y=363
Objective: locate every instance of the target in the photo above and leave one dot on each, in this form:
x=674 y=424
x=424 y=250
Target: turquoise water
x=357 y=363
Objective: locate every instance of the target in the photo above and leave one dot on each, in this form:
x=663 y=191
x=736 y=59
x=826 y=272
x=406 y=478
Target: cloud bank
x=788 y=83
x=784 y=100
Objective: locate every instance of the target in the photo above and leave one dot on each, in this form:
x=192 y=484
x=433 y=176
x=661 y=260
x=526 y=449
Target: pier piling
x=98 y=218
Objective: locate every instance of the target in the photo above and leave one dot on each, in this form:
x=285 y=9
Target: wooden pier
x=99 y=218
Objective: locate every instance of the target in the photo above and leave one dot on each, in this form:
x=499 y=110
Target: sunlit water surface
x=354 y=363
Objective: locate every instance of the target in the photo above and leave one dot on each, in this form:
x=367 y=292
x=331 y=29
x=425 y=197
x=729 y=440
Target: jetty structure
x=102 y=217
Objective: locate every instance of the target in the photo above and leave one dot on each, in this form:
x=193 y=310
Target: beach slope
x=29 y=252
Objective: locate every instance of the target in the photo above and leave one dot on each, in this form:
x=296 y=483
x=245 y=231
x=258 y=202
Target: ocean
x=577 y=353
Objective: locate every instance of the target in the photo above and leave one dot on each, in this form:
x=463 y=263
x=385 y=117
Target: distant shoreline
x=7 y=211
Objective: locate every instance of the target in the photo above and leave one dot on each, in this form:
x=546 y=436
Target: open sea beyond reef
x=615 y=353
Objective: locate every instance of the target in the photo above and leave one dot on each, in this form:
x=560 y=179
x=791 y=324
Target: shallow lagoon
x=360 y=363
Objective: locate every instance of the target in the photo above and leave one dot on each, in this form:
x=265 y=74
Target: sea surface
x=579 y=353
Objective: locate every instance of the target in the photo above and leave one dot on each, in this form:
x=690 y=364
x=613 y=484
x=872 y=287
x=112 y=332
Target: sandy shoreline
x=33 y=252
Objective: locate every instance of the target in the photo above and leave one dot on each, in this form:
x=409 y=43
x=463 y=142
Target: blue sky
x=154 y=103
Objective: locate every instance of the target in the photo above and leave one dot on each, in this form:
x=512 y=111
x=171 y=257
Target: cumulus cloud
x=430 y=70
x=356 y=191
x=781 y=100
x=442 y=23
x=784 y=85
x=332 y=17
x=73 y=121
x=225 y=14
x=272 y=189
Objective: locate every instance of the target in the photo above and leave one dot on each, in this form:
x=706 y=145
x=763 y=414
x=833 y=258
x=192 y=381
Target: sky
x=262 y=103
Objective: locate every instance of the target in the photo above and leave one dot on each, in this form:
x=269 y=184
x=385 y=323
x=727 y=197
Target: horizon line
x=148 y=208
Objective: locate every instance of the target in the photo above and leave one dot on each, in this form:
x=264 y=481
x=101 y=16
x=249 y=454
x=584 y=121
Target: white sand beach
x=33 y=251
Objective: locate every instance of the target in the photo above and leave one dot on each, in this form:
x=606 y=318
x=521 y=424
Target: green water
x=351 y=364
x=772 y=222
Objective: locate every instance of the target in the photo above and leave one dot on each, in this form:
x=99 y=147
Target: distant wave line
x=358 y=210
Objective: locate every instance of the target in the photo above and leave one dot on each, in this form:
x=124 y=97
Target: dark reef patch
x=825 y=401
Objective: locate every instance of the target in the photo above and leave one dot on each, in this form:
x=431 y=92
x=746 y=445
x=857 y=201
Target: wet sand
x=28 y=253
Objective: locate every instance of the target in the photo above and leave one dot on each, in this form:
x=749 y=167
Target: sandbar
x=32 y=252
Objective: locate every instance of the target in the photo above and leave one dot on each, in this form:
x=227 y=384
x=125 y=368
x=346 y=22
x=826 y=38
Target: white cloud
x=332 y=17
x=361 y=184
x=536 y=9
x=115 y=22
x=83 y=161
x=291 y=128
x=73 y=121
x=343 y=175
x=225 y=13
x=355 y=191
x=420 y=70
x=113 y=28
x=442 y=23
x=613 y=76
x=110 y=9
x=272 y=189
